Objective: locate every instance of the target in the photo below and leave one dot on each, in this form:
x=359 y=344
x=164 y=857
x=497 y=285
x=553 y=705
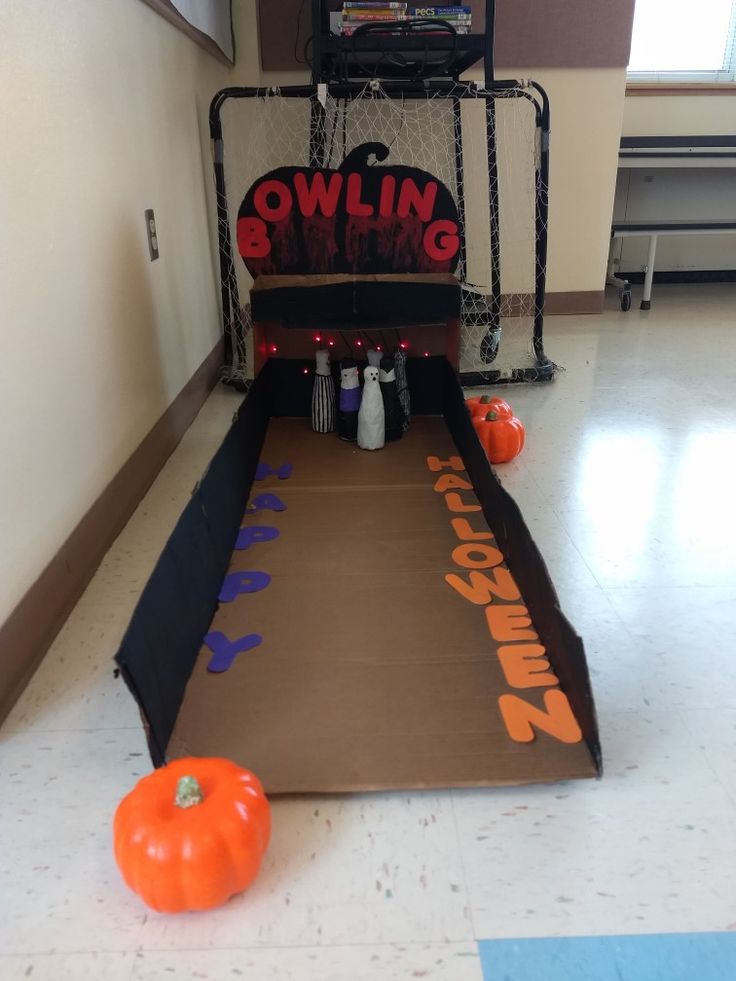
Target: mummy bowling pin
x=374 y=358
x=347 y=417
x=392 y=407
x=323 y=395
x=402 y=386
x=371 y=418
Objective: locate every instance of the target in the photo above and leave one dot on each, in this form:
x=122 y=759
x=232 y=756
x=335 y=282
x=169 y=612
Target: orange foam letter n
x=556 y=719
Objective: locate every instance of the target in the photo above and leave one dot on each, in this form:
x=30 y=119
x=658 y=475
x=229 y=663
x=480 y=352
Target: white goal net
x=486 y=146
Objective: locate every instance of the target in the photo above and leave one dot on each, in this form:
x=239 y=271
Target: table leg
x=646 y=301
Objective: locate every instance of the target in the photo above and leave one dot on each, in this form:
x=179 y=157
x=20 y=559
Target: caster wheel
x=626 y=301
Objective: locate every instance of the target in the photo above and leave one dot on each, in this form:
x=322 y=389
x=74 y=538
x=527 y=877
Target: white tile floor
x=627 y=484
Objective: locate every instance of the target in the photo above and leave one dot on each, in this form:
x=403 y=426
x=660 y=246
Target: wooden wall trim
x=574 y=303
x=32 y=626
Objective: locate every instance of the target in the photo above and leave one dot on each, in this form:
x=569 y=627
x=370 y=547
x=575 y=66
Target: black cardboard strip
x=177 y=605
x=341 y=304
x=564 y=646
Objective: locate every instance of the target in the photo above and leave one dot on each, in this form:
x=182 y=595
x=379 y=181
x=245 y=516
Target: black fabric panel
x=564 y=646
x=175 y=610
x=355 y=305
x=177 y=605
x=291 y=381
x=427 y=378
x=289 y=391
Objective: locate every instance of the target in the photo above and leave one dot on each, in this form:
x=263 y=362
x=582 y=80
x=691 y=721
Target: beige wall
x=586 y=111
x=679 y=115
x=103 y=114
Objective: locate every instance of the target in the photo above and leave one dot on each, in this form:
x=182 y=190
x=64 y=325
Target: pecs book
x=445 y=13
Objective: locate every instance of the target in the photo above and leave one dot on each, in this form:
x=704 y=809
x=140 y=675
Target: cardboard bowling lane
x=373 y=672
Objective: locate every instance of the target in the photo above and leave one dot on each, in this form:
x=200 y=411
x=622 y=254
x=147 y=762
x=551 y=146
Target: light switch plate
x=151 y=232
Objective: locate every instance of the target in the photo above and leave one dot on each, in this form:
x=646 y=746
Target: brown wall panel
x=563 y=33
x=529 y=33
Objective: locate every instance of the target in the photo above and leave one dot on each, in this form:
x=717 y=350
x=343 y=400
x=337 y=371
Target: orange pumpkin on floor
x=192 y=834
x=480 y=405
x=502 y=437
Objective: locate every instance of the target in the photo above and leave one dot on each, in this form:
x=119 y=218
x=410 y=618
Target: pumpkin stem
x=491 y=416
x=188 y=792
x=357 y=159
x=486 y=399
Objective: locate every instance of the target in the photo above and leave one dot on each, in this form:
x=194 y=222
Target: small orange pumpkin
x=502 y=437
x=192 y=834
x=480 y=405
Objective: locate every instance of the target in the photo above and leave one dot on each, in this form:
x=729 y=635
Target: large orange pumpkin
x=192 y=834
x=502 y=437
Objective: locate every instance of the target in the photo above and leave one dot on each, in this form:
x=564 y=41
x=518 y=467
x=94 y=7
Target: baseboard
x=32 y=626
x=580 y=302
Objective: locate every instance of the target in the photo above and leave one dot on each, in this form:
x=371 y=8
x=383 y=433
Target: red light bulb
x=274 y=349
x=306 y=371
x=378 y=347
x=359 y=344
x=317 y=338
x=331 y=343
x=426 y=354
x=403 y=345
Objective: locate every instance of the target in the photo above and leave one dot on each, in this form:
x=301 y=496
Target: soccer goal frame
x=491 y=310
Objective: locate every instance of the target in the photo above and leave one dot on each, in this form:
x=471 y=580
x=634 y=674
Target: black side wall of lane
x=564 y=646
x=160 y=646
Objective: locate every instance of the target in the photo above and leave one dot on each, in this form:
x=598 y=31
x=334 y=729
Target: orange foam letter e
x=510 y=623
x=526 y=666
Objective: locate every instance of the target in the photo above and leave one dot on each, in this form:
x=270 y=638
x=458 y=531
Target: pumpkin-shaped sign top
x=360 y=218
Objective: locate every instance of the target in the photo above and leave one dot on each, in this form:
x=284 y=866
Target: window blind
x=684 y=40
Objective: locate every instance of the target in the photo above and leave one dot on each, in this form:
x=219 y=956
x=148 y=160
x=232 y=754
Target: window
x=684 y=41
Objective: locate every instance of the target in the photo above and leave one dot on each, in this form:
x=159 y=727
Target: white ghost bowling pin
x=371 y=418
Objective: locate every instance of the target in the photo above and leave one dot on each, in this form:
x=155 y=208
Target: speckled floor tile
x=646 y=850
x=626 y=484
x=75 y=688
x=617 y=669
x=67 y=967
x=379 y=868
x=433 y=962
x=60 y=890
x=685 y=639
x=714 y=732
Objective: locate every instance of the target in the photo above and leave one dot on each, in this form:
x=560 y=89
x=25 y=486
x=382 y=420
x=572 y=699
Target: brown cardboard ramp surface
x=373 y=672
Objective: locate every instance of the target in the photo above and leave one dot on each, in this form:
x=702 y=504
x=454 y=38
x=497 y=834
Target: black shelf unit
x=399 y=56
